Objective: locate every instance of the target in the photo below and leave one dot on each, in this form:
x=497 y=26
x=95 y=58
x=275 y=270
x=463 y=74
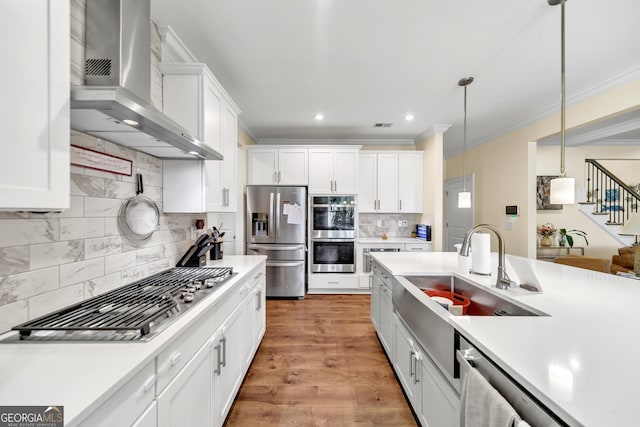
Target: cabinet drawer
x=128 y=403
x=172 y=359
x=333 y=281
x=417 y=247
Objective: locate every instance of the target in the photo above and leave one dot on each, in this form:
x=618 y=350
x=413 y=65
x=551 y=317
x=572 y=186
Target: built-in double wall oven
x=333 y=234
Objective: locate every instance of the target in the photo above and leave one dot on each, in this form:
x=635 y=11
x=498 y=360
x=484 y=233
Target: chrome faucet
x=503 y=281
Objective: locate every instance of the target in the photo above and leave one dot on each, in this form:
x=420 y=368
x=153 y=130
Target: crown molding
x=173 y=47
x=430 y=131
x=335 y=141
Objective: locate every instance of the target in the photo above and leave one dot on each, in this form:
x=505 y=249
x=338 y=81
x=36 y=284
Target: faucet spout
x=503 y=280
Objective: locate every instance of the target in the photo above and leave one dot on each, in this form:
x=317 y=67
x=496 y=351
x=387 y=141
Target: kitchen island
x=579 y=361
x=122 y=383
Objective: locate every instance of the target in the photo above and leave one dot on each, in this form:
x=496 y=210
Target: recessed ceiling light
x=319 y=116
x=409 y=117
x=130 y=122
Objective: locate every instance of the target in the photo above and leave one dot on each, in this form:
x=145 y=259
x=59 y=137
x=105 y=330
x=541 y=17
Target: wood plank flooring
x=320 y=364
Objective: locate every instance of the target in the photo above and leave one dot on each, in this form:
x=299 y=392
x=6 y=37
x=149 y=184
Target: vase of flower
x=546 y=231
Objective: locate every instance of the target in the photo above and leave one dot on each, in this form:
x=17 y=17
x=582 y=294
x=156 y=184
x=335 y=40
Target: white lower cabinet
x=386 y=317
x=228 y=367
x=187 y=399
x=432 y=398
x=254 y=318
x=149 y=418
x=129 y=403
x=195 y=378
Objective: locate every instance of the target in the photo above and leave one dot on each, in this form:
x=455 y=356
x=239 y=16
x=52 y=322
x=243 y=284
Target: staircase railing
x=610 y=195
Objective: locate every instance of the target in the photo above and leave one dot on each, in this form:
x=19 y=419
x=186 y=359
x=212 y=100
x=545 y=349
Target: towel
x=484 y=406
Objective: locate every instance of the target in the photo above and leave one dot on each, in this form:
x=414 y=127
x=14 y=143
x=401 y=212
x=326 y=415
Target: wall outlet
x=404 y=222
x=399 y=223
x=379 y=223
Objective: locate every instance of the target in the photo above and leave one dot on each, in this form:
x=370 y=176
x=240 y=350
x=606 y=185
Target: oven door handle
x=334 y=240
x=284 y=264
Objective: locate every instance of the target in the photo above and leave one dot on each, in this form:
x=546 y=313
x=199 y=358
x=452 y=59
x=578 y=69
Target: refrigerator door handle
x=278 y=213
x=277 y=247
x=284 y=264
x=271 y=212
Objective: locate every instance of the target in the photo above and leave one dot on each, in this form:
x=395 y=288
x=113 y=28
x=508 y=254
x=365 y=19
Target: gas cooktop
x=134 y=312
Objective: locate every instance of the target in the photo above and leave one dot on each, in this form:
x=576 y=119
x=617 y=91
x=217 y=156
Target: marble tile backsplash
x=50 y=260
x=389 y=224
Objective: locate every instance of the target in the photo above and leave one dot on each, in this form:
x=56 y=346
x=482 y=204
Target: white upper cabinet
x=34 y=106
x=390 y=181
x=333 y=170
x=410 y=179
x=193 y=97
x=277 y=165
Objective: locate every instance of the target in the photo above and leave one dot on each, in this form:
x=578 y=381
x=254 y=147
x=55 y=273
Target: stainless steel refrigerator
x=276 y=220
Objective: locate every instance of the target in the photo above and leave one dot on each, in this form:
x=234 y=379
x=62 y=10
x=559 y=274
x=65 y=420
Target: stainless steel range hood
x=114 y=103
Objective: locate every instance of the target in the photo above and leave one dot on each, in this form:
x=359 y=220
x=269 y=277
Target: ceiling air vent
x=382 y=125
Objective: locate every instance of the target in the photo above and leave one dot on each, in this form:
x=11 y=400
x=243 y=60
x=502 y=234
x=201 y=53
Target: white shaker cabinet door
x=367 y=183
x=262 y=166
x=345 y=171
x=388 y=182
x=293 y=166
x=34 y=106
x=410 y=182
x=321 y=164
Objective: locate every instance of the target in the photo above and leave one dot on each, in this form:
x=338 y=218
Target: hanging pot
x=139 y=215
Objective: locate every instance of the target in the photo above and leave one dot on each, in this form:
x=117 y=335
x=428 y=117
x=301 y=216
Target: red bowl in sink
x=456 y=298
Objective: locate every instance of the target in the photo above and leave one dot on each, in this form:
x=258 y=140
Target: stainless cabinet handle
x=335 y=186
x=275 y=177
x=400 y=204
x=411 y=363
x=279 y=177
x=218 y=360
x=259 y=302
x=148 y=385
x=224 y=351
x=416 y=358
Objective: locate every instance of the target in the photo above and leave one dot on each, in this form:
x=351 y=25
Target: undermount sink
x=483 y=302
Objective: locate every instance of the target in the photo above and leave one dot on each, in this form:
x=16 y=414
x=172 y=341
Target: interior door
x=457 y=221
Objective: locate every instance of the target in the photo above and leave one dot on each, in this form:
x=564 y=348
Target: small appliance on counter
x=424 y=232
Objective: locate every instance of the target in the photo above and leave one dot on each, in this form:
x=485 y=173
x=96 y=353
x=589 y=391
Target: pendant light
x=464 y=197
x=562 y=189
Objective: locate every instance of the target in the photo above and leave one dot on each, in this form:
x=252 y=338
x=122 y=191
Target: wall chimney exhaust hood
x=114 y=102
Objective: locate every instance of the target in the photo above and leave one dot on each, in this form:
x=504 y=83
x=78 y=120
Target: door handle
x=218 y=359
x=224 y=351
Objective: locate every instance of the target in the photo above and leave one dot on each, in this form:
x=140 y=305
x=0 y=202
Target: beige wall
x=601 y=244
x=433 y=188
x=505 y=168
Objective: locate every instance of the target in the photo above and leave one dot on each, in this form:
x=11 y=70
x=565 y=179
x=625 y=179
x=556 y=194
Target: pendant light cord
x=562 y=90
x=464 y=82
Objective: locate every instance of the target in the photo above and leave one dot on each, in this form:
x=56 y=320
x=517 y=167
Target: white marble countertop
x=581 y=361
x=392 y=240
x=82 y=376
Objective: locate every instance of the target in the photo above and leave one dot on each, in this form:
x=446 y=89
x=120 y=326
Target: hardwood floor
x=320 y=364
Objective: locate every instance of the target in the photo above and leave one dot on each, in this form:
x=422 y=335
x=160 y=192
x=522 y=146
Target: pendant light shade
x=562 y=189
x=464 y=197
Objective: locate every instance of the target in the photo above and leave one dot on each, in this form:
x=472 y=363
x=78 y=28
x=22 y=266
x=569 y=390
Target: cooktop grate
x=128 y=312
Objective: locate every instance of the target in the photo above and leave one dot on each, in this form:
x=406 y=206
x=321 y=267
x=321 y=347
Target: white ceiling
x=365 y=61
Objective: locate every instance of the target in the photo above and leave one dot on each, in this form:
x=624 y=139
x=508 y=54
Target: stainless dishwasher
x=366 y=256
x=527 y=406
